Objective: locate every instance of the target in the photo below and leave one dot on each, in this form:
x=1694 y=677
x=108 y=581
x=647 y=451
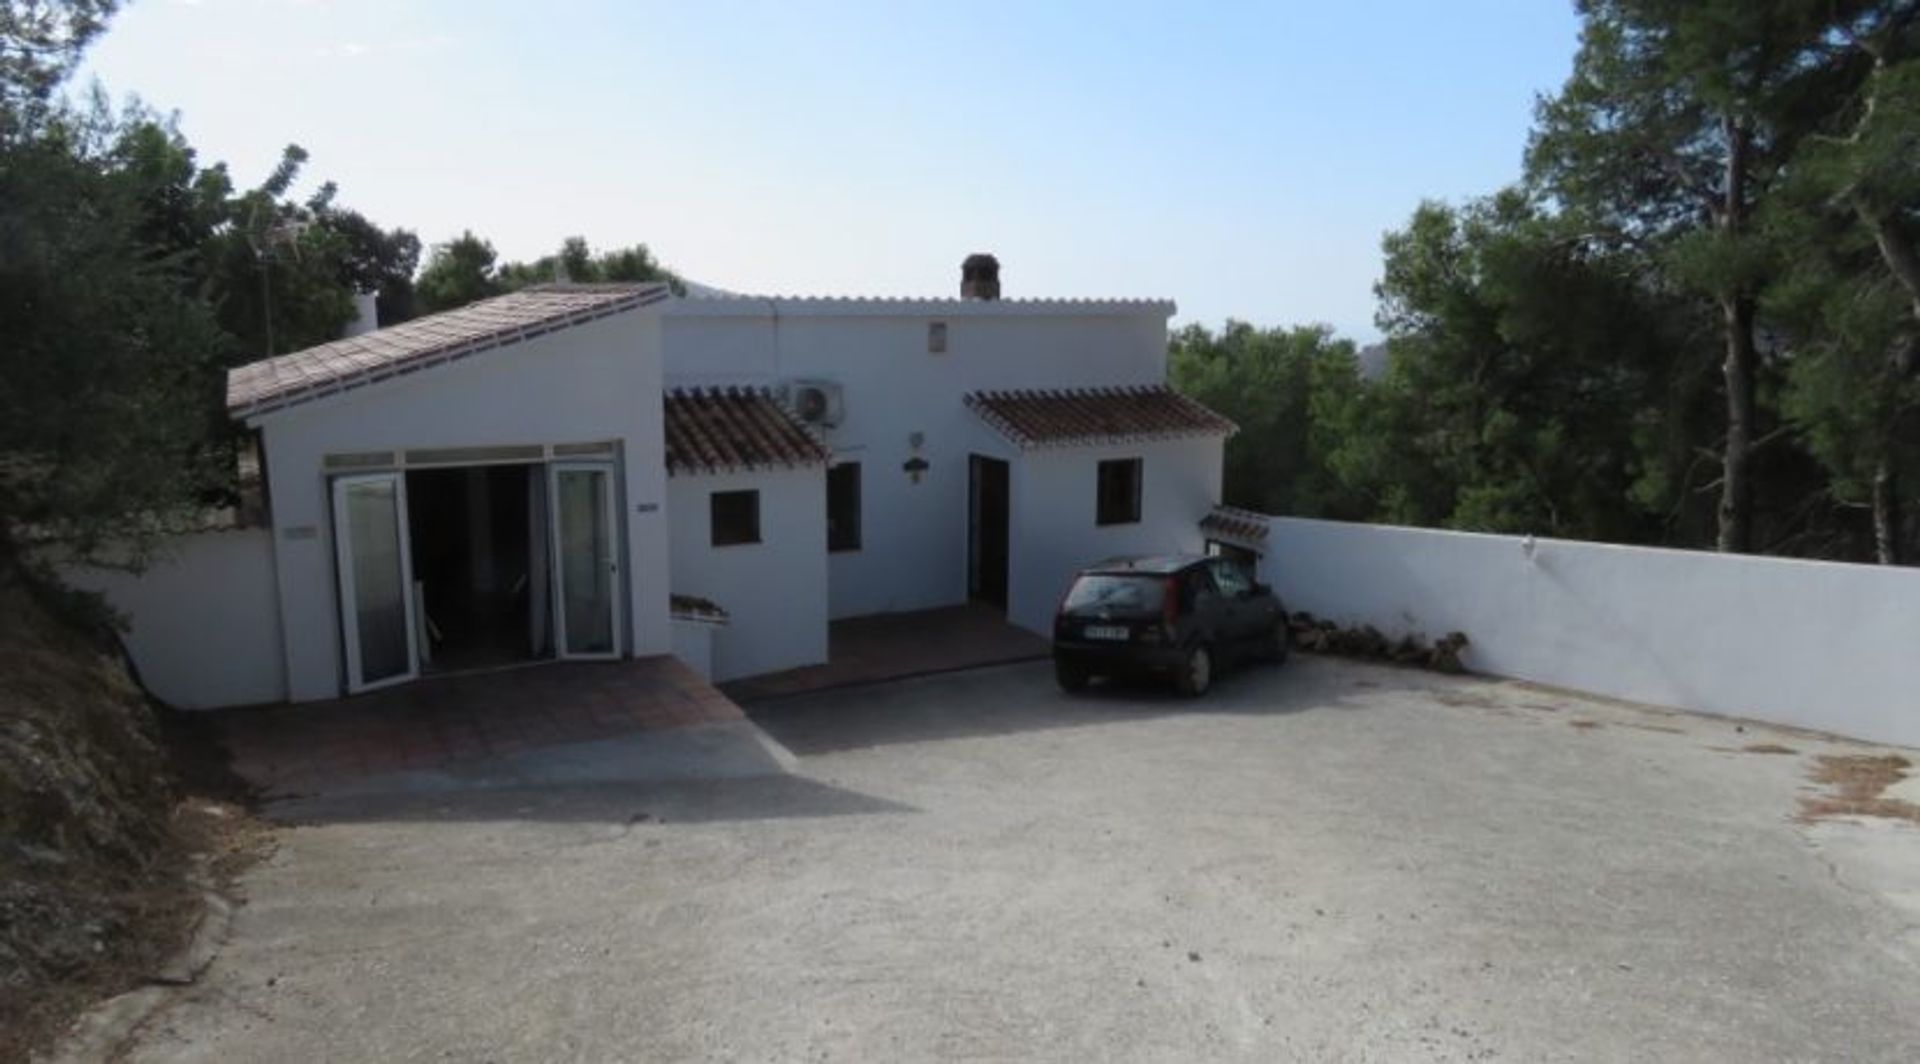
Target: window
x=1119 y=492
x=736 y=518
x=1232 y=579
x=1100 y=591
x=1246 y=556
x=937 y=337
x=843 y=507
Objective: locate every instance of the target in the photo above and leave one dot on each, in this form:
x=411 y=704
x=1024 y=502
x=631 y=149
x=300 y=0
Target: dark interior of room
x=473 y=542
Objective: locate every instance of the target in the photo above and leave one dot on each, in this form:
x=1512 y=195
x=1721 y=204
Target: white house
x=982 y=449
x=487 y=481
x=610 y=471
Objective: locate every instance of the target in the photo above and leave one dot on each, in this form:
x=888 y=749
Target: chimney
x=980 y=277
x=366 y=314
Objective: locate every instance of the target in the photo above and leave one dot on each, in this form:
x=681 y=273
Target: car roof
x=1159 y=564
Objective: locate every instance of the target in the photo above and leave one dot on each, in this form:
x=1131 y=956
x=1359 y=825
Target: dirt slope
x=90 y=873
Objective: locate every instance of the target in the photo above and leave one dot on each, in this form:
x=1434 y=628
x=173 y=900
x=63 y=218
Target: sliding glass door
x=376 y=579
x=586 y=560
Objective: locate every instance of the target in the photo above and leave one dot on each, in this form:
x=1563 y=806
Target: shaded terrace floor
x=892 y=646
x=300 y=749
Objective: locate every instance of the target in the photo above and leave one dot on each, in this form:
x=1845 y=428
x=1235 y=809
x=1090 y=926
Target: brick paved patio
x=287 y=750
x=890 y=646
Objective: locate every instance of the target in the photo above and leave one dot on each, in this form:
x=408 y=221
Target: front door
x=376 y=580
x=988 y=520
x=586 y=560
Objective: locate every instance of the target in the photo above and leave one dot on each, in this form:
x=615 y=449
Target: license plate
x=1105 y=631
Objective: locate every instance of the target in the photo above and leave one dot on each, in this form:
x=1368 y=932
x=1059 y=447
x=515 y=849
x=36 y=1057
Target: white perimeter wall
x=204 y=619
x=1055 y=504
x=1819 y=645
x=596 y=381
x=774 y=591
x=914 y=535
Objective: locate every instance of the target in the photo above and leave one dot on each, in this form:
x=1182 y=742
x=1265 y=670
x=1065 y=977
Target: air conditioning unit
x=816 y=402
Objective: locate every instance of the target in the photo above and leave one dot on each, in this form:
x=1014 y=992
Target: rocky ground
x=112 y=816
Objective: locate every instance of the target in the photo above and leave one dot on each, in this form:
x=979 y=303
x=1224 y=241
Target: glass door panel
x=586 y=561
x=376 y=579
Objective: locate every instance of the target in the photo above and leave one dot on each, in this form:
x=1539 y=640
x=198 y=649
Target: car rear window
x=1124 y=593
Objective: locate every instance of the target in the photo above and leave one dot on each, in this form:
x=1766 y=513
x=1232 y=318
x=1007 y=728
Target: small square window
x=937 y=337
x=1119 y=492
x=1247 y=557
x=843 y=507
x=736 y=518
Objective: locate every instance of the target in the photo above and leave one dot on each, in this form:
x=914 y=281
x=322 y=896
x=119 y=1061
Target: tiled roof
x=1067 y=417
x=284 y=380
x=713 y=430
x=1233 y=523
x=695 y=608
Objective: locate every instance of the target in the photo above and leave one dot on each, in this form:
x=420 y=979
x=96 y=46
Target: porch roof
x=1234 y=525
x=326 y=369
x=1068 y=417
x=717 y=430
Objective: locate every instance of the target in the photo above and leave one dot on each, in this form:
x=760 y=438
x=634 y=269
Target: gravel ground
x=1328 y=861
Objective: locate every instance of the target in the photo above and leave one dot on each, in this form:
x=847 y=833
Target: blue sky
x=1243 y=159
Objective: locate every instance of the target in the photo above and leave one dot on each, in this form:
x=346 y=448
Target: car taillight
x=1170 y=603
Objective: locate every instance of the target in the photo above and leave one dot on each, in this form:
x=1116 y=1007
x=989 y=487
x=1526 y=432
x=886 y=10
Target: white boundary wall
x=1823 y=645
x=203 y=619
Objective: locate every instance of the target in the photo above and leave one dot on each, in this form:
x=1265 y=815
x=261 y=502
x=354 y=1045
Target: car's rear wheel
x=1196 y=673
x=1071 y=677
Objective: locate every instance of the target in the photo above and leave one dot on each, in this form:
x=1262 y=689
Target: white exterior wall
x=204 y=621
x=693 y=644
x=774 y=591
x=914 y=535
x=1055 y=506
x=1820 y=645
x=596 y=381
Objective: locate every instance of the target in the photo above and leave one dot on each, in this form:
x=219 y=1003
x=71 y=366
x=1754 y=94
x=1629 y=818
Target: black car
x=1172 y=615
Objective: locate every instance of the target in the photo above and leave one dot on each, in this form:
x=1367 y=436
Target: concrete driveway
x=1328 y=861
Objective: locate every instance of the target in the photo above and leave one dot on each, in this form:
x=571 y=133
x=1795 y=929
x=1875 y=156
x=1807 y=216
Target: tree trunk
x=1904 y=264
x=1736 y=479
x=1886 y=513
x=1736 y=306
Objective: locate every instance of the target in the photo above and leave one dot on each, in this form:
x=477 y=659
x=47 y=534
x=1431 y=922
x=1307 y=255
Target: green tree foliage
x=458 y=272
x=577 y=263
x=1669 y=137
x=1848 y=289
x=130 y=278
x=108 y=356
x=40 y=41
x=1281 y=386
x=466 y=268
x=1697 y=322
x=1526 y=378
x=280 y=272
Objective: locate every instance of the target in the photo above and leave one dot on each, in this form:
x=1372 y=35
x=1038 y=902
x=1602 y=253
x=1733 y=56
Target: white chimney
x=366 y=314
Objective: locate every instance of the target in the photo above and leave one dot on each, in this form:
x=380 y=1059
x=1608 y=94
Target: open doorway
x=479 y=550
x=988 y=513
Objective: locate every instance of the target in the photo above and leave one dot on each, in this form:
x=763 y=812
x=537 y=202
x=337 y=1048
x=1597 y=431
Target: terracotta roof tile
x=1075 y=416
x=711 y=430
x=1233 y=523
x=326 y=369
